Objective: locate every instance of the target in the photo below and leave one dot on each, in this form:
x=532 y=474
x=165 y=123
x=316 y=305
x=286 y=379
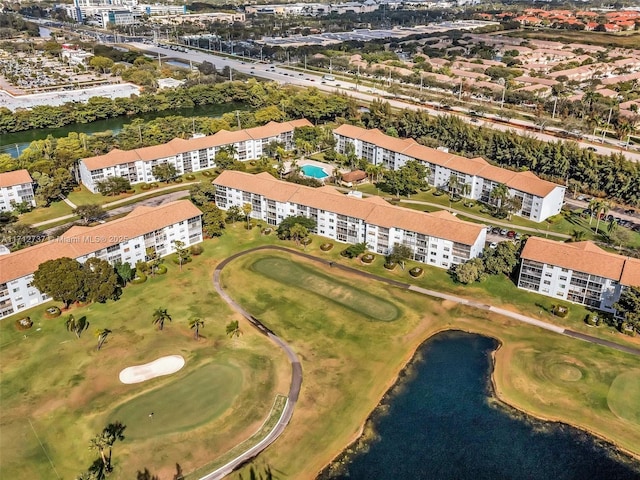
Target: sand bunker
x=157 y=368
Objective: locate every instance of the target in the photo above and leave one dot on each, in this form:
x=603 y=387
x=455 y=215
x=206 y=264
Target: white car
x=493 y=245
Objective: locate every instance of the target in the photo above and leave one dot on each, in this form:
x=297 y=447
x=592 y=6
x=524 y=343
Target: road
x=296 y=370
x=149 y=202
x=313 y=79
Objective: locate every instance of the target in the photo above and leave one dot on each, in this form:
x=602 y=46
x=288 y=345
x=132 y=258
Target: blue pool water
x=314 y=172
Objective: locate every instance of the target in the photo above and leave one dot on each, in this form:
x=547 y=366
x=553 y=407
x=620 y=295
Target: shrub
x=131 y=190
x=145 y=186
x=24 y=323
x=415 y=272
x=560 y=311
x=628 y=329
x=252 y=163
x=154 y=185
x=206 y=173
x=305 y=241
x=592 y=319
x=368 y=258
x=439 y=192
x=325 y=247
x=178 y=180
x=52 y=312
x=191 y=176
x=267 y=231
x=390 y=265
x=177 y=262
x=456 y=198
x=469 y=204
x=140 y=278
x=162 y=269
x=196 y=250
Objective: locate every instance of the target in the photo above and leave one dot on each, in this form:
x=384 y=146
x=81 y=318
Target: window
x=547 y=282
x=563 y=278
x=15 y=290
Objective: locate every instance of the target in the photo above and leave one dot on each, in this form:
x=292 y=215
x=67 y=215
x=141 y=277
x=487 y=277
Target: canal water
x=15 y=143
x=438 y=423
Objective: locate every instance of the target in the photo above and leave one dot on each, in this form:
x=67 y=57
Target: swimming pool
x=314 y=172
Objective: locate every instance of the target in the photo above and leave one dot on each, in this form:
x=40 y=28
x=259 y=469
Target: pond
x=439 y=422
x=15 y=143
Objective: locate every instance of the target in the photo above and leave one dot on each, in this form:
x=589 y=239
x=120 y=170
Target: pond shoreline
x=362 y=441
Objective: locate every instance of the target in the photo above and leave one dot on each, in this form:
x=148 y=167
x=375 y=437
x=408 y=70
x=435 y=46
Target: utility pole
x=460 y=92
x=555 y=103
x=305 y=61
x=238 y=118
x=504 y=90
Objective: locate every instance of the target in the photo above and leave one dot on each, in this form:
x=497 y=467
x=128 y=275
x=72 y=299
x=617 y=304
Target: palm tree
x=578 y=235
x=337 y=175
x=231 y=149
x=77 y=326
x=160 y=315
x=298 y=232
x=233 y=329
x=247 y=209
x=594 y=205
x=465 y=189
x=499 y=193
x=514 y=204
x=99 y=443
x=453 y=184
x=612 y=226
x=196 y=323
x=603 y=208
x=102 y=336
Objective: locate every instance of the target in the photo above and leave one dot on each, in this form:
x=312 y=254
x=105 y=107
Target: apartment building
x=579 y=272
x=540 y=199
x=437 y=239
x=187 y=156
x=123 y=240
x=15 y=187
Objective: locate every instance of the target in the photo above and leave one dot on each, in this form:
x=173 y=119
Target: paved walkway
x=296 y=370
x=115 y=203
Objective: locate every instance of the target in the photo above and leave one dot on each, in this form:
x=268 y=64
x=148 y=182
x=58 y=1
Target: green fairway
x=332 y=289
x=212 y=390
x=624 y=396
x=349 y=361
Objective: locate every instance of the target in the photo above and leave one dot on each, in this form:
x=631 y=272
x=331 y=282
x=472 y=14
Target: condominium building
x=124 y=240
x=186 y=155
x=540 y=199
x=437 y=239
x=15 y=187
x=579 y=272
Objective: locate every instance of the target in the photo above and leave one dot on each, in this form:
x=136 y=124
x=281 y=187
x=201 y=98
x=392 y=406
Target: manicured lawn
x=64 y=391
x=349 y=361
x=37 y=215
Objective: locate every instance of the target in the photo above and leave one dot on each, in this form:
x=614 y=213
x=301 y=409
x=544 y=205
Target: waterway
x=15 y=143
x=440 y=422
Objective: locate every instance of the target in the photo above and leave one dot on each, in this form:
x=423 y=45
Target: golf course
x=353 y=336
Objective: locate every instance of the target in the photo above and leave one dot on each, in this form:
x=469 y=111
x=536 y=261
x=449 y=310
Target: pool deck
x=327 y=167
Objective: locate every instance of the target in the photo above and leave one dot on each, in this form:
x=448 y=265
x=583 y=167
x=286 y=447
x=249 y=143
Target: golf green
x=624 y=394
x=301 y=276
x=199 y=397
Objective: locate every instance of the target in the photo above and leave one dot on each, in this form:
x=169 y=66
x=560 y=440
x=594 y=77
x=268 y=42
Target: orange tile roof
x=372 y=210
x=631 y=273
x=523 y=181
x=17 y=177
x=79 y=241
x=179 y=145
x=583 y=257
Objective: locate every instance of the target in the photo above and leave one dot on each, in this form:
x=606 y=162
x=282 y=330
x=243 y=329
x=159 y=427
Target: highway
x=286 y=76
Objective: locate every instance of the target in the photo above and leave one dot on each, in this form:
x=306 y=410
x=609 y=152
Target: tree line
x=564 y=162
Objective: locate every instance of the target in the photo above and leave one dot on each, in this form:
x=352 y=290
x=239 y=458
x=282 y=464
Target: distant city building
x=74 y=55
x=200 y=18
x=15 y=187
x=312 y=9
x=438 y=239
x=186 y=155
x=540 y=199
x=117 y=17
x=124 y=240
x=579 y=272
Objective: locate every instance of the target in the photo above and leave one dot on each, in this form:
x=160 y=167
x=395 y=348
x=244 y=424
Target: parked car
x=511 y=234
x=495 y=230
x=517 y=237
x=489 y=228
x=493 y=245
x=503 y=232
